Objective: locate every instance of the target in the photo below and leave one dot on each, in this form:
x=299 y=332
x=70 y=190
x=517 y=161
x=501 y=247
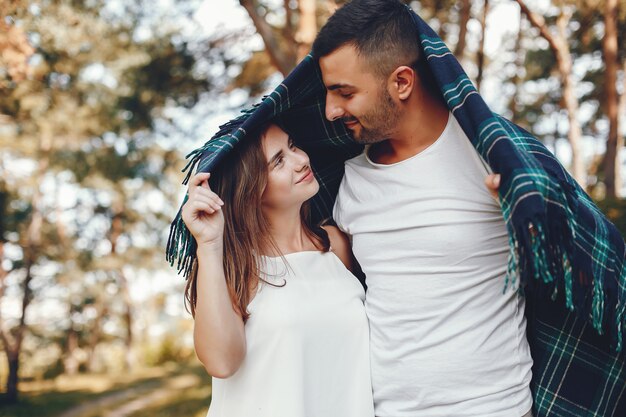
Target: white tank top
x=307 y=345
x=445 y=339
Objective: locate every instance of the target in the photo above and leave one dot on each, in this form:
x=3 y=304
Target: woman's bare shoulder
x=340 y=244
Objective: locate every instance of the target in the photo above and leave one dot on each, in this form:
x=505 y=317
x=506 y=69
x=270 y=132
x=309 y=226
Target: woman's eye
x=292 y=145
x=346 y=95
x=278 y=162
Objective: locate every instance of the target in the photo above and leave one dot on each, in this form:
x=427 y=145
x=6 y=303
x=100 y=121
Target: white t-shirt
x=445 y=340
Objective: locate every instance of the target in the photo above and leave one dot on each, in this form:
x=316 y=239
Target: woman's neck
x=287 y=232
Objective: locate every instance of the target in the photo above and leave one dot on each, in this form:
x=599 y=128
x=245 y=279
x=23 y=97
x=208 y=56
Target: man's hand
x=493 y=183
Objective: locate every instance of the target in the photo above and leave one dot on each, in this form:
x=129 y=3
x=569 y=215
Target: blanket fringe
x=542 y=253
x=181 y=245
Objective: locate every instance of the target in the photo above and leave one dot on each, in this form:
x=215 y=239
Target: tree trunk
x=459 y=50
x=128 y=320
x=288 y=29
x=11 y=395
x=612 y=174
x=516 y=80
x=13 y=347
x=480 y=56
x=574 y=134
x=95 y=334
x=560 y=48
x=31 y=250
x=9 y=346
x=117 y=227
x=30 y=247
x=70 y=363
x=307 y=28
x=621 y=122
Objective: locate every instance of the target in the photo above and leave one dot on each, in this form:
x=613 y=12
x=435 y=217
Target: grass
x=193 y=402
x=52 y=398
x=189 y=403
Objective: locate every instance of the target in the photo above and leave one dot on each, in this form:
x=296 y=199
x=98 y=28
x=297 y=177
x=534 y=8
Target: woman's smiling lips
x=306 y=178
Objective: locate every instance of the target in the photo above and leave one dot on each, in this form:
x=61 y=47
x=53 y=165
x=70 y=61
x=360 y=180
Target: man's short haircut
x=382 y=31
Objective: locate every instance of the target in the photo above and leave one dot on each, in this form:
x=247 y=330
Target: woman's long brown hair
x=239 y=182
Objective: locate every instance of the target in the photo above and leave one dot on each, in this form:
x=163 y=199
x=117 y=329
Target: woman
x=279 y=319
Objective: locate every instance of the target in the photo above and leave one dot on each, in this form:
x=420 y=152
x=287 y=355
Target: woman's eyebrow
x=275 y=157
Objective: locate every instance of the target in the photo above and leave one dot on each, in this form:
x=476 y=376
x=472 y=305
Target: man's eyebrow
x=338 y=86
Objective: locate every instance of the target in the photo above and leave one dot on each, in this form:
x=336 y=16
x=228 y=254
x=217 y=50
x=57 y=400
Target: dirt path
x=133 y=399
x=172 y=387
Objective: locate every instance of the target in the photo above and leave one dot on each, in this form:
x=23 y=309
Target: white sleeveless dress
x=307 y=345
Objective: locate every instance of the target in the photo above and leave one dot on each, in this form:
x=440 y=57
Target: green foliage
x=615 y=210
x=539 y=64
x=169 y=349
x=55 y=370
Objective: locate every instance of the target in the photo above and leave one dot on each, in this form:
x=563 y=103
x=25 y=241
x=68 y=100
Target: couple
x=287 y=330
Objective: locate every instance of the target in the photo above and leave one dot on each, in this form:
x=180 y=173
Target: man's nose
x=333 y=110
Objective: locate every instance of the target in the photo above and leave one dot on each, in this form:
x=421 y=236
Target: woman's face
x=290 y=180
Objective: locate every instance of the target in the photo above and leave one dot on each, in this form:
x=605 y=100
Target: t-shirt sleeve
x=337 y=213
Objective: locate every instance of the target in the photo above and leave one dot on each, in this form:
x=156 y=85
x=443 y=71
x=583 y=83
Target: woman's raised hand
x=202 y=213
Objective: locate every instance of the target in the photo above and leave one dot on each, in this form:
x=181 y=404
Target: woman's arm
x=340 y=245
x=219 y=336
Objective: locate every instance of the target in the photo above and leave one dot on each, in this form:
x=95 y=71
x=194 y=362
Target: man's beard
x=382 y=120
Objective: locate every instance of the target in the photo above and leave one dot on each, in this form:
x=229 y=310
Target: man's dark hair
x=382 y=31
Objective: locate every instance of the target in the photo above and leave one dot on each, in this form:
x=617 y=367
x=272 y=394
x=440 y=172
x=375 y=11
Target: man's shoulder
x=358 y=161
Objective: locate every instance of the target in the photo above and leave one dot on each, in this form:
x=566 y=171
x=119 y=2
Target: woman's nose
x=301 y=161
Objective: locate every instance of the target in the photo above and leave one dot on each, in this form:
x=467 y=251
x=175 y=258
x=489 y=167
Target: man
x=431 y=240
x=433 y=244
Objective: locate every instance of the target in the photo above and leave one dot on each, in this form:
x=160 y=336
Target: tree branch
x=281 y=60
x=459 y=50
x=540 y=23
x=288 y=29
x=307 y=27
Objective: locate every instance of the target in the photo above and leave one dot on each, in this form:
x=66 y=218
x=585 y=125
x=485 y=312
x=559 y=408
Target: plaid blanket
x=568 y=256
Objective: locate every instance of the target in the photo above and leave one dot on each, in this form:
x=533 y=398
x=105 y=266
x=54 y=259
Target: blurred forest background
x=101 y=100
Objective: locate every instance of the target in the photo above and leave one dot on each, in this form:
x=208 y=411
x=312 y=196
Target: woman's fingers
x=196 y=189
x=199 y=178
x=210 y=201
x=204 y=192
x=202 y=210
x=205 y=206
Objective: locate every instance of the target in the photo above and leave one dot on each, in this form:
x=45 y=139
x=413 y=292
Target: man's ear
x=402 y=81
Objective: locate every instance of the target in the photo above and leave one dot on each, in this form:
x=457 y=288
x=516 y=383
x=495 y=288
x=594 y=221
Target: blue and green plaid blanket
x=568 y=256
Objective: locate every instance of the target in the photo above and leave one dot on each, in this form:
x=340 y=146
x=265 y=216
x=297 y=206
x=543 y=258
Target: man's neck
x=422 y=125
